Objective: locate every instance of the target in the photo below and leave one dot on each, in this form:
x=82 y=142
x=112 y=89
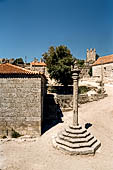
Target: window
x=104 y=68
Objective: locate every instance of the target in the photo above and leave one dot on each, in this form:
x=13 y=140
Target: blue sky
x=30 y=27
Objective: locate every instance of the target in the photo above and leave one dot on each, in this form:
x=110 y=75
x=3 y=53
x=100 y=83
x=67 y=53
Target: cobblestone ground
x=40 y=155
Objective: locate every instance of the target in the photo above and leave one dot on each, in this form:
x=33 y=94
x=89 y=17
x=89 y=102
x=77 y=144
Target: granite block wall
x=21 y=106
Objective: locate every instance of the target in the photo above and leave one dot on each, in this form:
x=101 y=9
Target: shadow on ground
x=52 y=113
x=88 y=125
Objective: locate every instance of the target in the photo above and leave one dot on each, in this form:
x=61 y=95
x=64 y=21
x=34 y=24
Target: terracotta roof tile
x=38 y=63
x=12 y=69
x=104 y=60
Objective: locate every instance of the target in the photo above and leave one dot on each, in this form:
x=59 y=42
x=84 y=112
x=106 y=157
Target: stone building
x=22 y=94
x=91 y=56
x=103 y=68
x=42 y=67
x=6 y=60
x=38 y=66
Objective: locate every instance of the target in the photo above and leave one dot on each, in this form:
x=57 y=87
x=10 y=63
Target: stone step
x=71 y=135
x=96 y=145
x=76 y=131
x=75 y=127
x=76 y=145
x=76 y=140
x=77 y=151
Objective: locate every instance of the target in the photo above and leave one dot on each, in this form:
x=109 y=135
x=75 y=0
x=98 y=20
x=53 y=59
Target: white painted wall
x=105 y=69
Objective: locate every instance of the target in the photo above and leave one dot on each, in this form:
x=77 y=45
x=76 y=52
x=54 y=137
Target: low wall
x=90 y=82
x=108 y=80
x=66 y=101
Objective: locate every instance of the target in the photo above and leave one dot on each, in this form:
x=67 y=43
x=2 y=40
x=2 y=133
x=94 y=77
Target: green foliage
x=97 y=56
x=83 y=89
x=18 y=61
x=59 y=60
x=60 y=89
x=15 y=134
x=99 y=91
x=69 y=89
x=3 y=60
x=80 y=63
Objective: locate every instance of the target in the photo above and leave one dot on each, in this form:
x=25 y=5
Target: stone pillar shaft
x=75 y=75
x=75 y=102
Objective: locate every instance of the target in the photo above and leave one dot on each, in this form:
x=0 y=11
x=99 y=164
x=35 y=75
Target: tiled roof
x=12 y=69
x=38 y=63
x=104 y=60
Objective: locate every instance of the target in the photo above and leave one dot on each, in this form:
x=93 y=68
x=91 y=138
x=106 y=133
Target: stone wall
x=38 y=68
x=66 y=101
x=105 y=70
x=21 y=105
x=84 y=72
x=93 y=82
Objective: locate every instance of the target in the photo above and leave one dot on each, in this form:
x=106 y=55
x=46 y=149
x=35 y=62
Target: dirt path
x=2 y=159
x=40 y=155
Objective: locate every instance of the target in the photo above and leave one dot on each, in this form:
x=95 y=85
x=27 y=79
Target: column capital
x=75 y=75
x=75 y=71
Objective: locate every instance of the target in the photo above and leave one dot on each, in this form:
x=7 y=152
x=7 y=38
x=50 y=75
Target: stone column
x=75 y=139
x=75 y=76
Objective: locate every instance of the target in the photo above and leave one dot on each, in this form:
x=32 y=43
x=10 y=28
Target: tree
x=18 y=61
x=80 y=63
x=59 y=60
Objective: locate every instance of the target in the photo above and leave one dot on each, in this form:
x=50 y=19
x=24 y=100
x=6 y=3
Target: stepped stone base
x=76 y=140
